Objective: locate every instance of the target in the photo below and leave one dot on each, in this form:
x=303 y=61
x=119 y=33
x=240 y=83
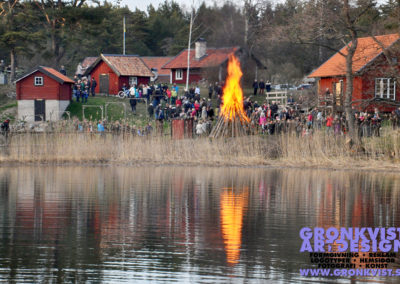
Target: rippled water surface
x=175 y=224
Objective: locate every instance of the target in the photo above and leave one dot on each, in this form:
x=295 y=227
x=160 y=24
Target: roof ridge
x=155 y=56
x=121 y=55
x=223 y=47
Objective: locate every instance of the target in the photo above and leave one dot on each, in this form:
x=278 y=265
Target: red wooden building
x=113 y=71
x=375 y=68
x=203 y=62
x=43 y=94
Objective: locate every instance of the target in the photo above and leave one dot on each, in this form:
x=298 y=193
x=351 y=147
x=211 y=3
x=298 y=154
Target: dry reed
x=317 y=150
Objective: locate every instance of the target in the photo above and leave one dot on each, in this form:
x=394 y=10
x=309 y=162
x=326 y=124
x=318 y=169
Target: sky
x=142 y=4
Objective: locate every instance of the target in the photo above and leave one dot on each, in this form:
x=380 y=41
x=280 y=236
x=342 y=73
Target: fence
x=92 y=106
x=279 y=97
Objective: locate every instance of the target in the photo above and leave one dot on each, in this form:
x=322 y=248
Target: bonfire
x=233 y=120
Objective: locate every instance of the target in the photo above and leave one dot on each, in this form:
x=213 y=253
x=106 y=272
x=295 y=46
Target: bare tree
x=341 y=25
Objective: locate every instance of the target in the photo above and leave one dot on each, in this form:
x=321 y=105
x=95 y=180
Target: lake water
x=177 y=224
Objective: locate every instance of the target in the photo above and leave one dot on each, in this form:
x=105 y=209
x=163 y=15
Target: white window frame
x=133 y=81
x=38 y=81
x=179 y=74
x=381 y=84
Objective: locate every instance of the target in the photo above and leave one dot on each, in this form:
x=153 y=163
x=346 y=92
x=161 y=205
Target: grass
x=317 y=151
x=8 y=105
x=113 y=109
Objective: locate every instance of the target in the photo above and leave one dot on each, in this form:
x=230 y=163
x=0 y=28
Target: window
x=132 y=81
x=385 y=88
x=178 y=74
x=38 y=81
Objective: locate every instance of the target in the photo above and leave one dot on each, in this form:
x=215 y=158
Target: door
x=40 y=110
x=103 y=83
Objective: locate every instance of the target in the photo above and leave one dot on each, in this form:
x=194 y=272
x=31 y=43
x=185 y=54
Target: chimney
x=201 y=48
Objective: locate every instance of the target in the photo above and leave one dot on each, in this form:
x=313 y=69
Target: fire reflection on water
x=114 y=224
x=233 y=206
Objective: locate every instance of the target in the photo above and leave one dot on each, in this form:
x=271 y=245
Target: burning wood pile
x=233 y=120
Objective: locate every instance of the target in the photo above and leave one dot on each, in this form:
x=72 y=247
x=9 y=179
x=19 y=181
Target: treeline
x=290 y=38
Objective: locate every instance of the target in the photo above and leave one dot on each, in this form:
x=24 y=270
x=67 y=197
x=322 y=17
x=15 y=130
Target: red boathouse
x=43 y=94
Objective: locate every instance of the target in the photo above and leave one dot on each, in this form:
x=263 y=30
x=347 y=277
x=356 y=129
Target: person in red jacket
x=329 y=121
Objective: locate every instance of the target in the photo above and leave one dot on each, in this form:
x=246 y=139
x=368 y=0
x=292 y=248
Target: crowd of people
x=278 y=118
x=82 y=88
x=167 y=102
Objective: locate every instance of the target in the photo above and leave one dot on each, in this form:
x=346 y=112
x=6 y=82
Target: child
x=262 y=121
x=78 y=93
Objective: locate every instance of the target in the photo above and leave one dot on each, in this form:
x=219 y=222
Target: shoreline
x=390 y=168
x=317 y=151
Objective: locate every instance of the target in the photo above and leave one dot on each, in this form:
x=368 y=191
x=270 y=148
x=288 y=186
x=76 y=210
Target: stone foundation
x=54 y=109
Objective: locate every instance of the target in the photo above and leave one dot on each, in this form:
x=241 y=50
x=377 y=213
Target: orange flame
x=232 y=210
x=232 y=106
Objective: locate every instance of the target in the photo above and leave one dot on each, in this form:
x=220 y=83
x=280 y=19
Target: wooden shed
x=112 y=71
x=376 y=68
x=43 y=94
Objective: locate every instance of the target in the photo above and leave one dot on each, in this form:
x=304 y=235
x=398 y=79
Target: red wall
x=115 y=82
x=381 y=69
x=125 y=79
x=364 y=85
x=193 y=77
x=66 y=92
x=103 y=68
x=378 y=72
x=363 y=88
x=143 y=80
x=51 y=89
x=327 y=83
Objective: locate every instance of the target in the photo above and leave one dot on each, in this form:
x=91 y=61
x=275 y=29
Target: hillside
x=8 y=103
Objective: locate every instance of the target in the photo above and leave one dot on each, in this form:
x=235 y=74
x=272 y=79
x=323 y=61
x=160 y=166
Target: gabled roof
x=88 y=61
x=367 y=51
x=157 y=62
x=123 y=65
x=214 y=57
x=52 y=73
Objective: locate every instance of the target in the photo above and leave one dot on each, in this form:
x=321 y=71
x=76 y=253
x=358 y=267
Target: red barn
x=43 y=94
x=375 y=68
x=113 y=71
x=203 y=62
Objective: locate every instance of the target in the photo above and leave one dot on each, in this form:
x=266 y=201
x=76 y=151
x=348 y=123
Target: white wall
x=26 y=110
x=54 y=109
